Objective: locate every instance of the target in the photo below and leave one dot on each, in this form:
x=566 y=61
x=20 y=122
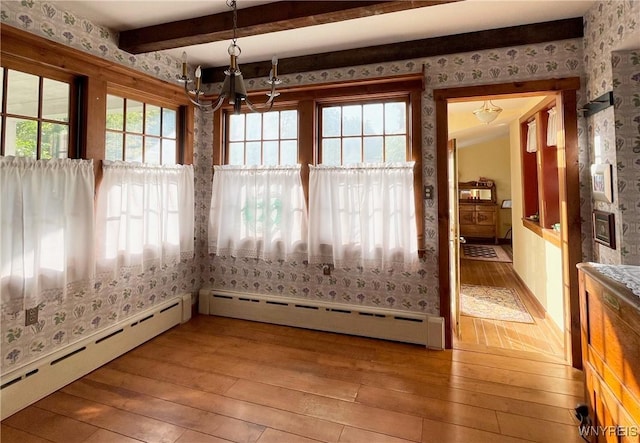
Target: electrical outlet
x=31 y=316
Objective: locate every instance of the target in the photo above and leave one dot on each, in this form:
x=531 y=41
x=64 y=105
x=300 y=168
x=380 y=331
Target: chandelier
x=488 y=112
x=233 y=88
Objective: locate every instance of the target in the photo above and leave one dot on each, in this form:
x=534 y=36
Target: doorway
x=570 y=242
x=497 y=308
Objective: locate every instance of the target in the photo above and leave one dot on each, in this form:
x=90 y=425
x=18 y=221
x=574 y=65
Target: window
x=36 y=114
x=345 y=135
x=263 y=139
x=540 y=198
x=364 y=133
x=46 y=241
x=257 y=204
x=141 y=132
x=144 y=216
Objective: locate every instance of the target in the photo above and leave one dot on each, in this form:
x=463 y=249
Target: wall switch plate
x=428 y=192
x=31 y=316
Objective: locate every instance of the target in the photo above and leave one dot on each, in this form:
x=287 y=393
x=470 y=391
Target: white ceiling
x=445 y=19
x=468 y=130
x=413 y=24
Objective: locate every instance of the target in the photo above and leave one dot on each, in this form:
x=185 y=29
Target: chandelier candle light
x=488 y=112
x=233 y=87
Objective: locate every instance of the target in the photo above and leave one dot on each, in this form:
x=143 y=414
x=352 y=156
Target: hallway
x=542 y=337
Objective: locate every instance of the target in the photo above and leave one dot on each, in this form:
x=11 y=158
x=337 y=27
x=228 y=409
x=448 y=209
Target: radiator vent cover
x=388 y=324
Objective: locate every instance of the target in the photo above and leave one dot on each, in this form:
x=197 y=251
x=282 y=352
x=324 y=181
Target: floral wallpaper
x=48 y=20
x=415 y=291
x=67 y=321
x=626 y=92
x=615 y=129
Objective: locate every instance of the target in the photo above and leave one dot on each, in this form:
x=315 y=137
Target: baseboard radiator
x=388 y=324
x=34 y=381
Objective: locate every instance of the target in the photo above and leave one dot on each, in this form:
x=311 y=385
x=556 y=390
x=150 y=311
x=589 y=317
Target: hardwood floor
x=542 y=336
x=217 y=380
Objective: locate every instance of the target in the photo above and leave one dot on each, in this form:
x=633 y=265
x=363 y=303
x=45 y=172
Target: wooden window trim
x=401 y=97
x=148 y=100
x=306 y=99
x=12 y=63
x=93 y=75
x=226 y=112
x=540 y=178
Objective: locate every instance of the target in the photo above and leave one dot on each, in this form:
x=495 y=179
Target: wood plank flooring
x=215 y=380
x=542 y=336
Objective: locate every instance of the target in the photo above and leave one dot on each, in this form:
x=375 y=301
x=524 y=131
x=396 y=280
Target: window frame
x=182 y=152
x=12 y=63
x=227 y=113
x=307 y=98
x=401 y=97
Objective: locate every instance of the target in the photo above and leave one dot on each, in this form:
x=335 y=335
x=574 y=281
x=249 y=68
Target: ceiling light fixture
x=488 y=112
x=233 y=87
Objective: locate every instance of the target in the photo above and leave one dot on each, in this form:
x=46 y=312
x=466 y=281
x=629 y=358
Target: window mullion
x=262 y=139
x=341 y=135
x=3 y=110
x=384 y=138
x=161 y=139
x=124 y=128
x=144 y=132
x=39 y=125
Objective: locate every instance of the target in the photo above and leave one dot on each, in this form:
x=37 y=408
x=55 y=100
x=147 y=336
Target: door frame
x=569 y=189
x=454 y=236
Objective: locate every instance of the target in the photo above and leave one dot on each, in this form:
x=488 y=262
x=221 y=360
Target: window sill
x=552 y=237
x=549 y=235
x=532 y=226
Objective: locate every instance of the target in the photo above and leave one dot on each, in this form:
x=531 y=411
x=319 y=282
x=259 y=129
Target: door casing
x=569 y=189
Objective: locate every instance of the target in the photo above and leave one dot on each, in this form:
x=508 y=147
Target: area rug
x=493 y=303
x=485 y=252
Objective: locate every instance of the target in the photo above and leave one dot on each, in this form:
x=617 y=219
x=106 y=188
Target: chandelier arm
x=194 y=93
x=263 y=108
x=205 y=106
x=219 y=102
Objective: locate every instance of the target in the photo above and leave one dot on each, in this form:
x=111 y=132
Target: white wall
x=489 y=159
x=535 y=260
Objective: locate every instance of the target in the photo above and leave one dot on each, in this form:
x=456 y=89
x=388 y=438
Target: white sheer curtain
x=258 y=212
x=552 y=127
x=363 y=215
x=46 y=240
x=532 y=137
x=144 y=216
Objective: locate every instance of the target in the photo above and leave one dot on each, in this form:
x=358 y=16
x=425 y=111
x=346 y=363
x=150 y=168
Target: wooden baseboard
x=557 y=332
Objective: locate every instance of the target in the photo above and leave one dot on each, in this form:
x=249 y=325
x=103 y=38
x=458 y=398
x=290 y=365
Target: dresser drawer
x=610 y=331
x=613 y=337
x=613 y=424
x=477 y=231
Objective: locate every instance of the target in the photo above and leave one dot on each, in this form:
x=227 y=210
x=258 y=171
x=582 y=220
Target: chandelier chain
x=233 y=4
x=233 y=88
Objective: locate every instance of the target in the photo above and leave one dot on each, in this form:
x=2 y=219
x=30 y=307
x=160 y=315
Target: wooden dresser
x=610 y=329
x=478 y=211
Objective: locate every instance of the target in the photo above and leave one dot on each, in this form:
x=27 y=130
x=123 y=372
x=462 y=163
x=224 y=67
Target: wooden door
x=454 y=237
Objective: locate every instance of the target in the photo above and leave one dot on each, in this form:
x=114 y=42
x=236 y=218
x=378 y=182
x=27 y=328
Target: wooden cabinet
x=478 y=211
x=479 y=221
x=610 y=330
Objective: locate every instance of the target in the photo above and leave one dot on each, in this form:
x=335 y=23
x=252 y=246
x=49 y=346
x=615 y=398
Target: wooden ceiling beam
x=256 y=20
x=430 y=47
